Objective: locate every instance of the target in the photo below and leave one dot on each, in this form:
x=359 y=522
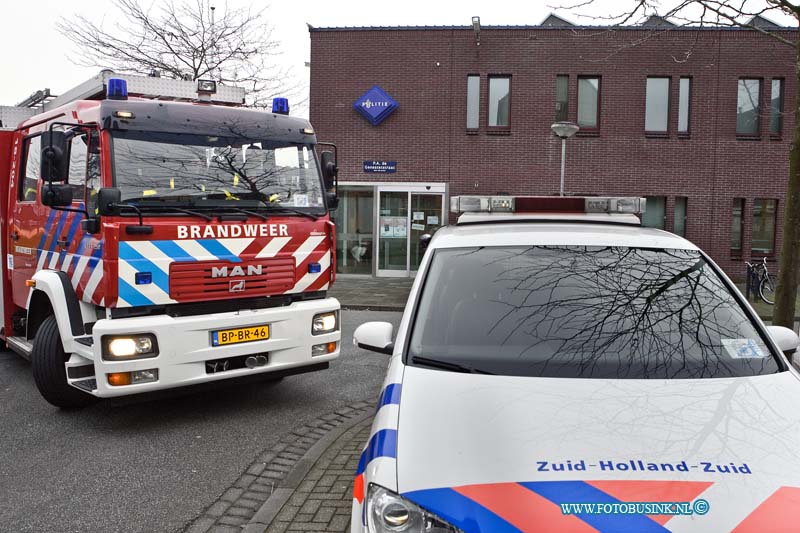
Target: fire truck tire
x=49 y=373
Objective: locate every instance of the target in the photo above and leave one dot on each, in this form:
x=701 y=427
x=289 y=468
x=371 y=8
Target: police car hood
x=476 y=448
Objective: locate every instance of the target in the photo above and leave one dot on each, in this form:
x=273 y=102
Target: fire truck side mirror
x=329 y=170
x=57 y=194
x=108 y=199
x=54 y=160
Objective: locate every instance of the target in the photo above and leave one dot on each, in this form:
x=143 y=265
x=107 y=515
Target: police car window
x=30 y=182
x=584 y=312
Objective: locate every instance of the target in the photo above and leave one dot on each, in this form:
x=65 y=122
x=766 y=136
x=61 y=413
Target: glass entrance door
x=393 y=233
x=403 y=217
x=426 y=218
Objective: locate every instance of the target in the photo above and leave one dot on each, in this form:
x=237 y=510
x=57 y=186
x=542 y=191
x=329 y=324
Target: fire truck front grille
x=208 y=280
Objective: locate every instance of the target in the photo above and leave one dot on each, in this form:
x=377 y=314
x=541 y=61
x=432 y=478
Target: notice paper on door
x=433 y=221
x=418 y=227
x=418 y=215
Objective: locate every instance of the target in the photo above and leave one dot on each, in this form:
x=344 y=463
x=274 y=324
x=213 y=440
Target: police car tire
x=49 y=373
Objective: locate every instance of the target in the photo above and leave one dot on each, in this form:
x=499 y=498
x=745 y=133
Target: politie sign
x=375 y=105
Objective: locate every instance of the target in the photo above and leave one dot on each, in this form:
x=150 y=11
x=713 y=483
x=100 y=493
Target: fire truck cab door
x=28 y=215
x=41 y=237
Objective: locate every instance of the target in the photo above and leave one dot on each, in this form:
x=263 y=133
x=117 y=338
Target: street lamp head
x=565 y=130
x=476 y=24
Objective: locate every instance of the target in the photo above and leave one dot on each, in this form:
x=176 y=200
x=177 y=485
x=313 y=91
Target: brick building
x=692 y=119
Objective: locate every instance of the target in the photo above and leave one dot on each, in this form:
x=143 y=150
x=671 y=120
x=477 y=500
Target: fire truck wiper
x=278 y=207
x=164 y=208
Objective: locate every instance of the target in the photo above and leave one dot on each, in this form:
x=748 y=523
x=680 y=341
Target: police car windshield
x=198 y=170
x=585 y=312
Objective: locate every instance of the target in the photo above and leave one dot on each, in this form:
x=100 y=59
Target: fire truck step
x=86 y=384
x=21 y=346
x=86 y=341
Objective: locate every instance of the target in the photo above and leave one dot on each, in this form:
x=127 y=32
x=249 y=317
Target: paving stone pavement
x=322 y=502
x=318 y=501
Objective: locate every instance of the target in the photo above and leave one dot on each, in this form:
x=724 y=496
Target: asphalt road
x=154 y=465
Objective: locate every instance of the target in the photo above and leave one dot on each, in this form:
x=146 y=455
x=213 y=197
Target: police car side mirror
x=375 y=336
x=786 y=339
x=53 y=156
x=107 y=200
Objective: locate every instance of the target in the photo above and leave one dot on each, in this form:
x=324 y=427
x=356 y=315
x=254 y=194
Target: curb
x=266 y=514
x=254 y=499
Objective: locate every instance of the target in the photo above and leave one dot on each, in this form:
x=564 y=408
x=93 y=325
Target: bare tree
x=746 y=14
x=189 y=40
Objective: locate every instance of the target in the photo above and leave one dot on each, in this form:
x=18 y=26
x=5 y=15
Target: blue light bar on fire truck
x=547 y=204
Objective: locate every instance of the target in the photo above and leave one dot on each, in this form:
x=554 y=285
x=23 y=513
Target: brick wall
x=426 y=70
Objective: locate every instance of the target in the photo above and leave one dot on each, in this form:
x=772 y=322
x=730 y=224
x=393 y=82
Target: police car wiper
x=446 y=365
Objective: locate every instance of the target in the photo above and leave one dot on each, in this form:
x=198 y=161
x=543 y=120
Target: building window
x=776 y=108
x=29 y=185
x=737 y=221
x=655 y=212
x=499 y=101
x=764 y=226
x=473 y=101
x=562 y=98
x=656 y=116
x=747 y=107
x=684 y=97
x=680 y=216
x=589 y=102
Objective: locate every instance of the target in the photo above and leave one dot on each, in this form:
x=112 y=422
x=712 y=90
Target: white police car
x=558 y=371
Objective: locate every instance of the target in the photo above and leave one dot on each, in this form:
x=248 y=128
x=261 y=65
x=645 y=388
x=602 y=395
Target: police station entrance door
x=405 y=213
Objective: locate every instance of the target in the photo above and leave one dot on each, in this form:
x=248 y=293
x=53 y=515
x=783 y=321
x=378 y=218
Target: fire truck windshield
x=202 y=170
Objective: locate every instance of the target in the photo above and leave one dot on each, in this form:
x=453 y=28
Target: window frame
x=665 y=132
x=564 y=112
x=498 y=129
x=759 y=103
x=781 y=106
x=586 y=130
x=688 y=132
x=771 y=252
x=685 y=201
x=736 y=253
x=477 y=127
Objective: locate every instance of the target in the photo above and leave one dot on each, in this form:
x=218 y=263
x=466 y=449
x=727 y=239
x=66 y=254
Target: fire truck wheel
x=49 y=373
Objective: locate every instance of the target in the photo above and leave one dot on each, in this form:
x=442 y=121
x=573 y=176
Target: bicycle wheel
x=767 y=290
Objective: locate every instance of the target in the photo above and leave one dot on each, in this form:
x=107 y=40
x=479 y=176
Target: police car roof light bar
x=547 y=204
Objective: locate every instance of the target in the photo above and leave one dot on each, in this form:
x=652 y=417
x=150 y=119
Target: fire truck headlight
x=325 y=323
x=138 y=346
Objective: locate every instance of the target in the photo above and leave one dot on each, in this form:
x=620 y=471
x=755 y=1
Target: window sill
x=748 y=137
x=684 y=135
x=588 y=133
x=473 y=131
x=502 y=131
x=656 y=134
x=774 y=137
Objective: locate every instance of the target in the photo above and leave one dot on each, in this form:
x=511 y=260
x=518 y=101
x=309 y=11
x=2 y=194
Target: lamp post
x=564 y=130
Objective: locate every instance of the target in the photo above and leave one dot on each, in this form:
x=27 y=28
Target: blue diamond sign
x=375 y=105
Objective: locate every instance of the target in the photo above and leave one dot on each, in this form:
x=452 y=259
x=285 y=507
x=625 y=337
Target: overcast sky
x=35 y=56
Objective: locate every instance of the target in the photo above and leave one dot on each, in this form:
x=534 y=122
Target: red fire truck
x=157 y=234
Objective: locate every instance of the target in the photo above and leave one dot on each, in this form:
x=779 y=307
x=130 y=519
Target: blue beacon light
x=280 y=106
x=117 y=89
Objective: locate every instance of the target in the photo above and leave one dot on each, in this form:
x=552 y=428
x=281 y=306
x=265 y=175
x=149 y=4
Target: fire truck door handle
x=62 y=243
x=15 y=236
